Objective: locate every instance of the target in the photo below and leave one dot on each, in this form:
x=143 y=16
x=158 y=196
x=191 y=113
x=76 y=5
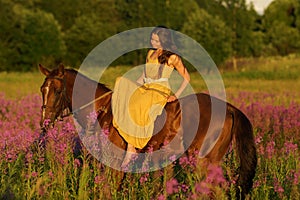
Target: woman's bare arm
x=176 y=62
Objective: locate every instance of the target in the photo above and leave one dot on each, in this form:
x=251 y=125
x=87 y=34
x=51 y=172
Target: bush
x=34 y=36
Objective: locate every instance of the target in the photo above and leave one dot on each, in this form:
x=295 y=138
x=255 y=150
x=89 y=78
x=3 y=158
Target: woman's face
x=155 y=41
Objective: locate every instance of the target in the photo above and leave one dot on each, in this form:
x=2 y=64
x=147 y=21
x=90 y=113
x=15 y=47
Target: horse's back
x=188 y=119
x=200 y=121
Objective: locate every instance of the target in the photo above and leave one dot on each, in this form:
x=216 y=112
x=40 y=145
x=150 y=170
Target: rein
x=91 y=102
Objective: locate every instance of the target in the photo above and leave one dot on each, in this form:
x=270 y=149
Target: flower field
x=64 y=171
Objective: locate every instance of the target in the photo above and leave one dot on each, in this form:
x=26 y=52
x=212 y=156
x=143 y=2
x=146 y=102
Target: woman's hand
x=171 y=98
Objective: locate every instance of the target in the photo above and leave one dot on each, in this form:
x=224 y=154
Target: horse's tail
x=245 y=145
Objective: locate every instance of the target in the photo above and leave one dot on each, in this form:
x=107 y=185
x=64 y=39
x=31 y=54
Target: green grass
x=273 y=75
x=17 y=84
x=276 y=75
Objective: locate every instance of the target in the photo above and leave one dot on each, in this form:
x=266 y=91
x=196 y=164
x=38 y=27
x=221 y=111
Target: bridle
x=65 y=101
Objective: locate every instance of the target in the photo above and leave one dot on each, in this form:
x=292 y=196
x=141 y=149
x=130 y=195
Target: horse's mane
x=77 y=73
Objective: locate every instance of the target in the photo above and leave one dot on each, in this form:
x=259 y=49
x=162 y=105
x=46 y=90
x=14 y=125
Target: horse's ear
x=44 y=70
x=61 y=70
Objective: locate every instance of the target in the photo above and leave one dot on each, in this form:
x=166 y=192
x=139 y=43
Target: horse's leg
x=222 y=145
x=239 y=129
x=111 y=186
x=217 y=153
x=211 y=161
x=171 y=134
x=112 y=153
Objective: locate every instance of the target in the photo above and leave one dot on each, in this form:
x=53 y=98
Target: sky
x=260 y=5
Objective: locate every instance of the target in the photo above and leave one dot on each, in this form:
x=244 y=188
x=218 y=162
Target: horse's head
x=55 y=99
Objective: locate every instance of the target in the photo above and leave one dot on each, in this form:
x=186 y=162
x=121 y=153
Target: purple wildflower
x=77 y=163
x=202 y=188
x=270 y=149
x=144 y=178
x=161 y=197
x=172 y=186
x=172 y=158
x=290 y=147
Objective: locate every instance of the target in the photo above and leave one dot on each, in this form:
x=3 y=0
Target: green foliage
x=281 y=26
x=286 y=39
x=241 y=20
x=64 y=11
x=281 y=10
x=7 y=24
x=29 y=37
x=86 y=33
x=257 y=47
x=211 y=32
x=54 y=31
x=263 y=75
x=178 y=13
x=141 y=13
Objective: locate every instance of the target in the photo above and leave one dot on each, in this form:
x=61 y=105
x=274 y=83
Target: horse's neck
x=82 y=90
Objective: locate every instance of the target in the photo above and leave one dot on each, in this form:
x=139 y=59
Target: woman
x=136 y=105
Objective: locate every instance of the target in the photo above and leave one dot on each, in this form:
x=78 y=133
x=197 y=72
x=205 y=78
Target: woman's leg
x=131 y=151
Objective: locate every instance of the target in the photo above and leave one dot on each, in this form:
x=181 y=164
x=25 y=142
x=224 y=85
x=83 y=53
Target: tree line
x=49 y=32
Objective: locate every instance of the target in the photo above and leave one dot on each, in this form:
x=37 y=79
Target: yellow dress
x=135 y=107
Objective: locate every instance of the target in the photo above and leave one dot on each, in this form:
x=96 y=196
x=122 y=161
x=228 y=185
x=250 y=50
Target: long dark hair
x=167 y=43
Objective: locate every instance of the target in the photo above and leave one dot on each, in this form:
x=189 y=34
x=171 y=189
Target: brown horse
x=58 y=89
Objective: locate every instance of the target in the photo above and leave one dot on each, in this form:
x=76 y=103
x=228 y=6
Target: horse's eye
x=42 y=89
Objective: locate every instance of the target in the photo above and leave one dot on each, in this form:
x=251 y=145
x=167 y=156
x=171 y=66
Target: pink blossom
x=261 y=149
x=166 y=142
x=172 y=186
x=50 y=173
x=215 y=175
x=279 y=189
x=290 y=147
x=46 y=122
x=172 y=158
x=256 y=184
x=92 y=117
x=270 y=149
x=29 y=157
x=258 y=139
x=150 y=149
x=144 y=178
x=202 y=188
x=277 y=186
x=183 y=161
x=161 y=197
x=41 y=190
x=105 y=131
x=97 y=180
x=77 y=163
x=184 y=187
x=41 y=159
x=296 y=178
x=34 y=174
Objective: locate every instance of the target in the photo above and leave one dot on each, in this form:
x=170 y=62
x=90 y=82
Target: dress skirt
x=135 y=108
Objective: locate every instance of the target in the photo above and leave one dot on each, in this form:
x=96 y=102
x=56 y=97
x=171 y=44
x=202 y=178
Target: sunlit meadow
x=63 y=170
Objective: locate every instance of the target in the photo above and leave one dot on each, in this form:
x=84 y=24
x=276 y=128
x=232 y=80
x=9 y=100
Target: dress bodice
x=152 y=68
